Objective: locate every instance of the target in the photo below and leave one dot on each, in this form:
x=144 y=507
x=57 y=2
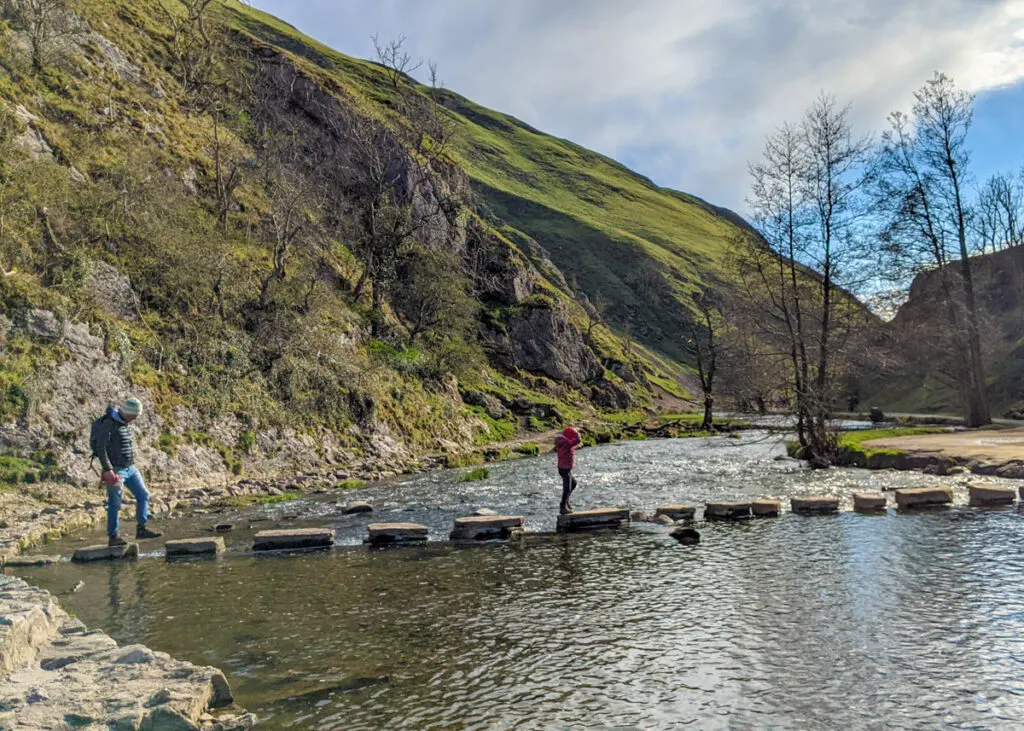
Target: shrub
x=478 y=475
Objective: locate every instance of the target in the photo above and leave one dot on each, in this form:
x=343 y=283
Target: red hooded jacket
x=566 y=445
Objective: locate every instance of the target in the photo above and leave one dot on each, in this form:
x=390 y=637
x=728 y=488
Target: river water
x=849 y=621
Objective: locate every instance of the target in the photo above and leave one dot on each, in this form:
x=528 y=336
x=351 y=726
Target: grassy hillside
x=615 y=234
x=146 y=210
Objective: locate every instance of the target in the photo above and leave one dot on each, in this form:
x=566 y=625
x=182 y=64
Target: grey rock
x=43 y=325
x=358 y=507
x=111 y=291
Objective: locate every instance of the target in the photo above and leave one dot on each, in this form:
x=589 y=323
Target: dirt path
x=985 y=446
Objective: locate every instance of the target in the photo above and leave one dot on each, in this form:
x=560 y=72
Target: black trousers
x=568 y=485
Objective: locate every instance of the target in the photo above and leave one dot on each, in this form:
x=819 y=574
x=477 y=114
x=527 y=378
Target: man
x=565 y=445
x=113 y=448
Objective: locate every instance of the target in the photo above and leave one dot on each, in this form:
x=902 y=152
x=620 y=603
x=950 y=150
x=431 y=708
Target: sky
x=685 y=91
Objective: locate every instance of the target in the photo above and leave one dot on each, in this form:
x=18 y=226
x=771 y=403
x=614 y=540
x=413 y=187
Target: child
x=565 y=445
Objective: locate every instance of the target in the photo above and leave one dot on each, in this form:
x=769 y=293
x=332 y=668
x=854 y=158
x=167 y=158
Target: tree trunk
x=709 y=403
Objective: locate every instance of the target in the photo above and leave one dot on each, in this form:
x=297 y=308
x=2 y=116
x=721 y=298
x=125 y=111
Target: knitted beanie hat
x=131 y=407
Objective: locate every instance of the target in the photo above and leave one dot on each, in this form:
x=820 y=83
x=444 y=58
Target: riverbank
x=998 y=453
x=58 y=674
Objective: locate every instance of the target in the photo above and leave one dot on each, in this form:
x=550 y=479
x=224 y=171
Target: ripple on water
x=844 y=621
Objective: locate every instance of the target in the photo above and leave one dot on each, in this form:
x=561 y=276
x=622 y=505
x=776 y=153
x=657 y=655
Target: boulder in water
x=686 y=536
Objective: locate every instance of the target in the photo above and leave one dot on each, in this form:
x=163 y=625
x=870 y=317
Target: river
x=891 y=621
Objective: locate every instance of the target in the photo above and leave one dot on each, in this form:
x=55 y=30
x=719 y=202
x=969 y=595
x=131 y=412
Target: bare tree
x=1000 y=218
x=808 y=206
x=397 y=62
x=922 y=178
x=47 y=24
x=193 y=42
x=704 y=345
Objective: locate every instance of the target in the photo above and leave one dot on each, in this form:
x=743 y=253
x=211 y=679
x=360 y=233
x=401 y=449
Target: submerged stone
x=726 y=511
x=194 y=546
x=483 y=527
x=388 y=533
x=686 y=536
x=358 y=507
x=223 y=528
x=106 y=553
x=27 y=561
x=814 y=505
x=923 y=497
x=765 y=508
x=677 y=512
x=592 y=519
x=990 y=495
x=484 y=512
x=868 y=502
x=273 y=540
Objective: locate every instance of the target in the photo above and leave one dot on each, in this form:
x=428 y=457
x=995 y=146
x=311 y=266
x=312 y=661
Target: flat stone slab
x=194 y=547
x=355 y=508
x=923 y=497
x=868 y=502
x=26 y=561
x=989 y=495
x=482 y=527
x=765 y=508
x=726 y=511
x=386 y=533
x=592 y=519
x=274 y=540
x=106 y=553
x=484 y=511
x=814 y=505
x=677 y=512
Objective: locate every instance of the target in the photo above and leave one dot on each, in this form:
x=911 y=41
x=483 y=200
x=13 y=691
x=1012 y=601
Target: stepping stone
x=592 y=519
x=194 y=547
x=923 y=497
x=988 y=495
x=353 y=508
x=676 y=512
x=765 y=508
x=274 y=540
x=27 y=561
x=686 y=536
x=483 y=527
x=382 y=534
x=815 y=505
x=726 y=511
x=106 y=553
x=868 y=502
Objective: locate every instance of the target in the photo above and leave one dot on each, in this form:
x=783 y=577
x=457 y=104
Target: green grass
x=527 y=450
x=851 y=443
x=478 y=475
x=350 y=485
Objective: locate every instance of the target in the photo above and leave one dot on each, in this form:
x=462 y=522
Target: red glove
x=110 y=478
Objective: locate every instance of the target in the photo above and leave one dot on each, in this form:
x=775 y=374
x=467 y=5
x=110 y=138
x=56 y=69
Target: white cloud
x=685 y=90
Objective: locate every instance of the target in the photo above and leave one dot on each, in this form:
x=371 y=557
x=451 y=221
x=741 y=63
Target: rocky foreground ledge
x=56 y=674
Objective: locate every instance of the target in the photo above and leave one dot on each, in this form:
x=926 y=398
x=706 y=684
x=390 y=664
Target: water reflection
x=910 y=621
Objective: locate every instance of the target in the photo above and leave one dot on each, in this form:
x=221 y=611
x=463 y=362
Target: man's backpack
x=94 y=436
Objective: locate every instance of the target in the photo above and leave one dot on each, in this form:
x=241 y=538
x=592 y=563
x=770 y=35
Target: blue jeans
x=132 y=479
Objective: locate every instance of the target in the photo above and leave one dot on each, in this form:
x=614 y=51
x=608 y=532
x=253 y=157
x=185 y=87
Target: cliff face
x=915 y=334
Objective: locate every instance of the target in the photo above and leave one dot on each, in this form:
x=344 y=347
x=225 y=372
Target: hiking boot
x=115 y=541
x=142 y=533
x=564 y=510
